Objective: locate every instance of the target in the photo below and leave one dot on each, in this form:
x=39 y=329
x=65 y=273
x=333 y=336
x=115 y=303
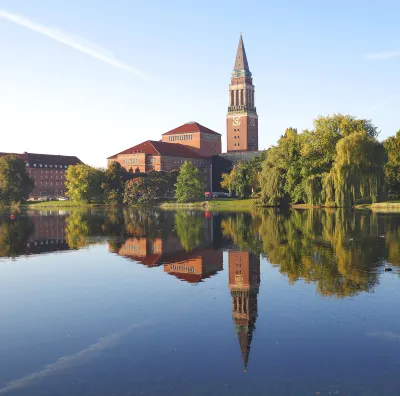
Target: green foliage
x=190 y=229
x=150 y=188
x=392 y=167
x=272 y=178
x=244 y=178
x=15 y=183
x=358 y=171
x=333 y=165
x=113 y=185
x=84 y=183
x=14 y=236
x=190 y=185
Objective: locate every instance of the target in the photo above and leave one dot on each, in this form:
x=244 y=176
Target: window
x=27 y=164
x=44 y=166
x=50 y=166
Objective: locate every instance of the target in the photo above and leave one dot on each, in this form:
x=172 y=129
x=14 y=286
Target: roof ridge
x=155 y=148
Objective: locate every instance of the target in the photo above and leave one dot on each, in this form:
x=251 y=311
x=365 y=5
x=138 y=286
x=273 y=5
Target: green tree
x=113 y=185
x=358 y=171
x=84 y=183
x=140 y=190
x=228 y=181
x=15 y=183
x=190 y=185
x=392 y=167
x=242 y=180
x=272 y=178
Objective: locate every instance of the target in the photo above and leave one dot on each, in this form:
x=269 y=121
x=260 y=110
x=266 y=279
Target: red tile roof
x=191 y=127
x=47 y=159
x=153 y=147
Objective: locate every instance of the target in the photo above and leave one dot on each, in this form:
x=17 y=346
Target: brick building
x=204 y=141
x=48 y=173
x=189 y=142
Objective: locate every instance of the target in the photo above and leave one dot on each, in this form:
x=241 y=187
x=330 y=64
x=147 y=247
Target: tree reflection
x=190 y=229
x=14 y=236
x=338 y=250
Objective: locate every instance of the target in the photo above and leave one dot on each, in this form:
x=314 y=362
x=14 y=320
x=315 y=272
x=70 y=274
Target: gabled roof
x=153 y=147
x=241 y=58
x=191 y=127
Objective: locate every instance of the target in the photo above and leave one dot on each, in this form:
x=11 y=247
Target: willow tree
x=392 y=167
x=358 y=171
x=272 y=179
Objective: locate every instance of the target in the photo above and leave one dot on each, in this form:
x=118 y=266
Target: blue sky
x=92 y=78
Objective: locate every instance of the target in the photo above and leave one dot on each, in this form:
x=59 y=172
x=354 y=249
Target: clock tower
x=242 y=118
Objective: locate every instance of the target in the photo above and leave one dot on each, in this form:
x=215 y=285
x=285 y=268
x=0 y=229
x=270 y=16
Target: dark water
x=123 y=302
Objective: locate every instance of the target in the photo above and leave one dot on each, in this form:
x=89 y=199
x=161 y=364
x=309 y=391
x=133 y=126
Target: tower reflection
x=244 y=283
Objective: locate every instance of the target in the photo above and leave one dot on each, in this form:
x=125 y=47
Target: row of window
x=174 y=138
x=130 y=161
x=238 y=144
x=46 y=183
x=236 y=137
x=50 y=166
x=237 y=98
x=47 y=176
x=210 y=137
x=62 y=172
x=194 y=162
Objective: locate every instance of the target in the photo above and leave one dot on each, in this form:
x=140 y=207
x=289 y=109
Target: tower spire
x=241 y=58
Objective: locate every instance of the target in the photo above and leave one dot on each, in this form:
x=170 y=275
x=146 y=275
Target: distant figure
x=12 y=217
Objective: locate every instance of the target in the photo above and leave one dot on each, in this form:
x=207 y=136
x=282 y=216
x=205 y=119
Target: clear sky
x=94 y=77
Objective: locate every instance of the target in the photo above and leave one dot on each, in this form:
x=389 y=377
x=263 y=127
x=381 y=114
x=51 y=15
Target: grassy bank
x=56 y=204
x=222 y=204
x=388 y=206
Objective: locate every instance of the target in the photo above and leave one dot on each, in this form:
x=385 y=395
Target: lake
x=145 y=302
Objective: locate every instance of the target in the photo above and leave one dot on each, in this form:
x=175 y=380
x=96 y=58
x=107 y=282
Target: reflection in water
x=341 y=253
x=244 y=283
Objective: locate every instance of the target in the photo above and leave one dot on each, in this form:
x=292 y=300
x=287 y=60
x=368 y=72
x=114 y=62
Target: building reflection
x=32 y=233
x=244 y=283
x=193 y=266
x=49 y=233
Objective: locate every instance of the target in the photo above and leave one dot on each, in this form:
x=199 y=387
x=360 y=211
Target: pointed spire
x=241 y=58
x=245 y=336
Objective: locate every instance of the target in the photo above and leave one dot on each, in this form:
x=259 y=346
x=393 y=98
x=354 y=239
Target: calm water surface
x=125 y=302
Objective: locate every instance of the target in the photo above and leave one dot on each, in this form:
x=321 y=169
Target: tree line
x=116 y=185
x=335 y=164
x=112 y=186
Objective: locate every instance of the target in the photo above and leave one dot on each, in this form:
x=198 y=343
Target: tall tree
x=190 y=185
x=84 y=183
x=113 y=185
x=15 y=183
x=358 y=171
x=392 y=167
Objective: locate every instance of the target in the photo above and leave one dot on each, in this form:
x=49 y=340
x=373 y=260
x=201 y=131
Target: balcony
x=241 y=109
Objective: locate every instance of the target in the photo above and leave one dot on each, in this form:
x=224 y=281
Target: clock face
x=252 y=121
x=236 y=121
